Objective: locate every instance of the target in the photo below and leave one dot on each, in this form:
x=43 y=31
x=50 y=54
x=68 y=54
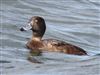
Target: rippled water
x=74 y=21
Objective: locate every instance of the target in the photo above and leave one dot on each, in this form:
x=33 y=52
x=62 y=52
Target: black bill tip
x=22 y=29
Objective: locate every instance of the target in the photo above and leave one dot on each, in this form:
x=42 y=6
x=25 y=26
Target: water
x=73 y=21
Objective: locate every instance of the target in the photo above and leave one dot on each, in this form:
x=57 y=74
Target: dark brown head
x=37 y=25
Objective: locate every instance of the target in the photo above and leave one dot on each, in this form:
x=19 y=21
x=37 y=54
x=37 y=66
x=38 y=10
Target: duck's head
x=37 y=25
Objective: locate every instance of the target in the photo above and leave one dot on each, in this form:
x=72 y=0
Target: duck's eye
x=36 y=21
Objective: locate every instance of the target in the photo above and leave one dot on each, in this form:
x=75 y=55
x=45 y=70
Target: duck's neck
x=34 y=38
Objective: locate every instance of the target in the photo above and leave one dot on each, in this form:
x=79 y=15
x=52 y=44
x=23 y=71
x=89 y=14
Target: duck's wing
x=61 y=46
x=55 y=42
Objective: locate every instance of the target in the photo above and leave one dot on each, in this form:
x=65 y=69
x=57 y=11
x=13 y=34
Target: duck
x=37 y=45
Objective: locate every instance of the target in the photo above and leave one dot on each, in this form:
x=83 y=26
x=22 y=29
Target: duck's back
x=61 y=46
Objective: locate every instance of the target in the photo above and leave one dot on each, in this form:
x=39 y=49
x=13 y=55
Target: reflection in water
x=73 y=21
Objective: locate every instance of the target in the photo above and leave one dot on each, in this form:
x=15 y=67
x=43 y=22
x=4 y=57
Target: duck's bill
x=28 y=27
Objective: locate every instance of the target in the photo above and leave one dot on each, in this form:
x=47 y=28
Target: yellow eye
x=36 y=20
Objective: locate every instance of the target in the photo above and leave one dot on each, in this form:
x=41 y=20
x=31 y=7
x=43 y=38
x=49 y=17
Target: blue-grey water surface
x=73 y=21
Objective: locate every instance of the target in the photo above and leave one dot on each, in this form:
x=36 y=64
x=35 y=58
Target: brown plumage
x=36 y=44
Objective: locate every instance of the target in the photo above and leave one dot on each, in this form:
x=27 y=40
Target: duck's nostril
x=22 y=29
